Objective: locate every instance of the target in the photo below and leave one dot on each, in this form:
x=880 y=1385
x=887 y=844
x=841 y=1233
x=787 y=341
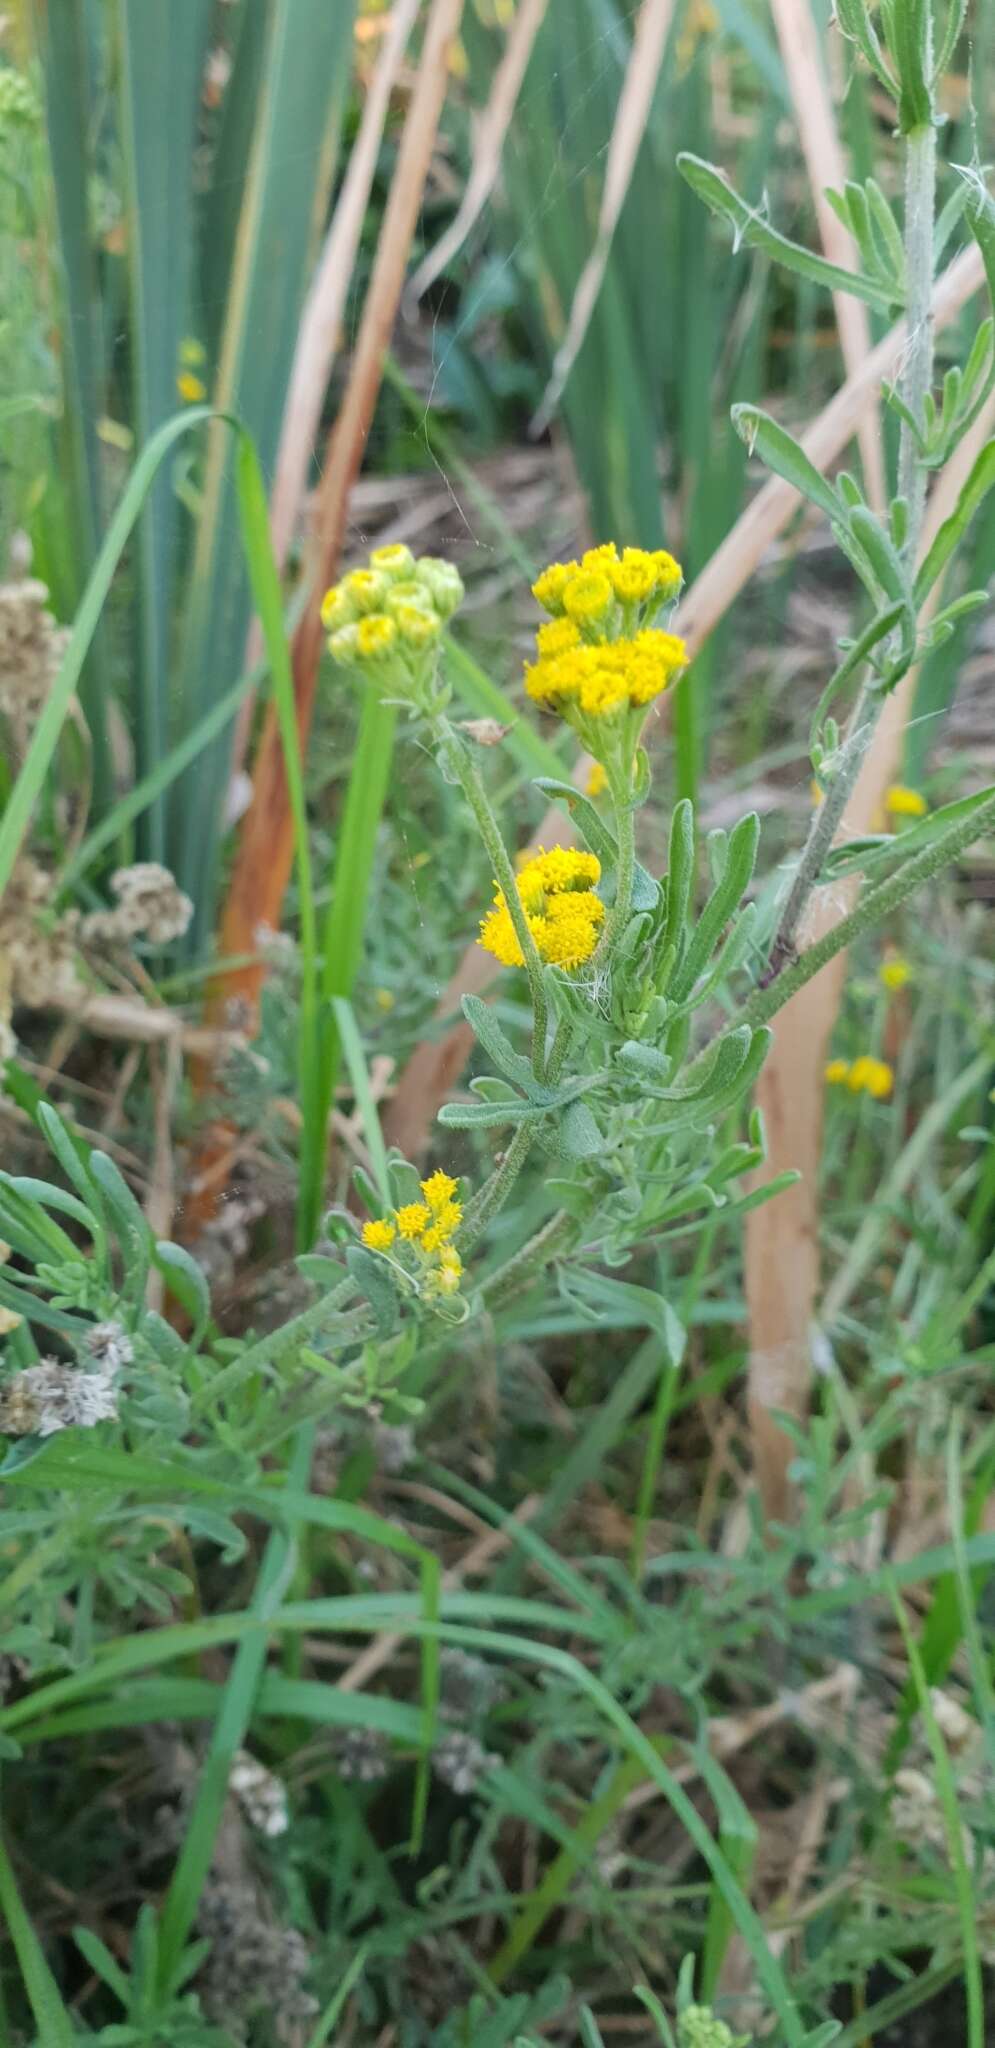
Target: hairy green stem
x=560 y=1234
x=625 y=833
x=917 y=376
x=468 y=774
x=495 y=1191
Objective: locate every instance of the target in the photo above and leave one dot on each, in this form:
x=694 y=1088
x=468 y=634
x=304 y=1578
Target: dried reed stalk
x=321 y=320
x=820 y=144
x=488 y=144
x=628 y=129
x=781 y=1244
x=265 y=851
x=782 y=1237
x=426 y=1080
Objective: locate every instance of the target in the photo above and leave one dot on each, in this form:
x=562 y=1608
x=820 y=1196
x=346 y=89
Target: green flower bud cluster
x=698 y=2027
x=18 y=104
x=387 y=619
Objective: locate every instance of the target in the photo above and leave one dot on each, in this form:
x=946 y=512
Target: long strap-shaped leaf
x=161 y=54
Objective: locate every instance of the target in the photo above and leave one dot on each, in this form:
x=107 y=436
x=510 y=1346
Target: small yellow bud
x=376 y=634
x=190 y=388
x=836 y=1072
x=587 y=598
x=395 y=560
x=902 y=802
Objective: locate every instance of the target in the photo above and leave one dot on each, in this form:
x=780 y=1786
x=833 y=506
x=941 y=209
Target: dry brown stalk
x=635 y=100
x=820 y=143
x=491 y=129
x=321 y=321
x=265 y=852
x=782 y=1237
x=429 y=1074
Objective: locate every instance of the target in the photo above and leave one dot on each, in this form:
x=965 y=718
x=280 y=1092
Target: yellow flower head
x=336 y=610
x=836 y=1072
x=191 y=388
x=601 y=559
x=597 y=779
x=587 y=598
x=563 y=867
x=417 y=625
x=441 y=583
x=902 y=802
x=871 y=1076
x=572 y=927
x=412 y=1219
x=634 y=578
x=548 y=588
x=365 y=589
x=669 y=575
x=557 y=636
x=448 y=1219
x=375 y=636
x=894 y=973
x=394 y=560
x=343 y=645
x=444 y=1279
x=9 y=1320
x=438 y=1190
x=379 y=1236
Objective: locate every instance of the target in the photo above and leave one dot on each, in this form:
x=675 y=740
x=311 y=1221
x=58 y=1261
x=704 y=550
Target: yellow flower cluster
x=598 y=680
x=391 y=613
x=600 y=654
x=561 y=910
x=428 y=1227
x=586 y=591
x=865 y=1075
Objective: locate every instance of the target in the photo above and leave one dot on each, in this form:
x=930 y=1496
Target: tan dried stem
x=488 y=144
x=798 y=37
x=628 y=129
x=782 y=1237
x=265 y=851
x=321 y=322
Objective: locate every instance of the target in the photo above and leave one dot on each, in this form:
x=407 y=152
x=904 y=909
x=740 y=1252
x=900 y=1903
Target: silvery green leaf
x=740 y=860
x=487 y=1030
x=578 y=1134
x=375 y=1281
x=186 y=1279
x=752 y=230
x=785 y=456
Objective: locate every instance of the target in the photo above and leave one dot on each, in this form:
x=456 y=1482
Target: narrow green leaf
x=750 y=228
x=55 y=2027
x=976 y=489
x=785 y=456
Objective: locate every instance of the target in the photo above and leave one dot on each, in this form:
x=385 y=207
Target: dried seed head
x=48 y=1397
x=31 y=645
x=110 y=1346
x=260 y=1793
x=461 y=1761
x=361 y=1755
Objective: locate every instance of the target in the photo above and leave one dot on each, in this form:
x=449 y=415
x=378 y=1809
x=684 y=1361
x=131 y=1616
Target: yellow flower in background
x=190 y=387
x=836 y=1072
x=902 y=802
x=894 y=973
x=379 y=1235
x=192 y=353
x=870 y=1076
x=597 y=779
